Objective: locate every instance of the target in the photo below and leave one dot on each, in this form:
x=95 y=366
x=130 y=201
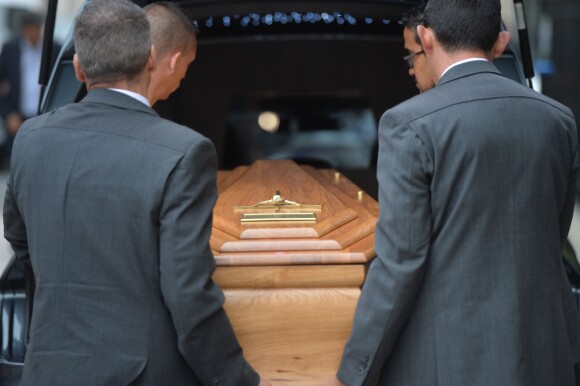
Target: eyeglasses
x=411 y=58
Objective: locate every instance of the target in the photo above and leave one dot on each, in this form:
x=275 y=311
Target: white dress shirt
x=133 y=94
x=29 y=73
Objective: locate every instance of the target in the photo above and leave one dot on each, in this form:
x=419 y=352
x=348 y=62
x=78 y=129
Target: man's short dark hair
x=412 y=19
x=112 y=40
x=464 y=24
x=171 y=29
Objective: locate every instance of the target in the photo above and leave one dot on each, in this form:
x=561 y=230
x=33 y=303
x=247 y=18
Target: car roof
x=232 y=22
x=231 y=19
x=208 y=7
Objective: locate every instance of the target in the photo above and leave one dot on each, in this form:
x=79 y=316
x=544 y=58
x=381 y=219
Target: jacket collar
x=116 y=99
x=468 y=69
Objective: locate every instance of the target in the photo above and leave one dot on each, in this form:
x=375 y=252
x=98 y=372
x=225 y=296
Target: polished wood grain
x=297 y=276
x=291 y=288
x=359 y=253
x=259 y=183
x=367 y=202
x=329 y=175
x=294 y=337
x=226 y=178
x=278 y=233
x=355 y=230
x=340 y=228
x=280 y=245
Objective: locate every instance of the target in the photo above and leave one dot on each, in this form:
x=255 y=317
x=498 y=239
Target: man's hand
x=333 y=382
x=264 y=382
x=13 y=122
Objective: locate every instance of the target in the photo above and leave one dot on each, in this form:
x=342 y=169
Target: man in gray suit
x=112 y=207
x=477 y=180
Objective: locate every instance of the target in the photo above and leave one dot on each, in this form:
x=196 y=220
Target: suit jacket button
x=361 y=370
x=215 y=380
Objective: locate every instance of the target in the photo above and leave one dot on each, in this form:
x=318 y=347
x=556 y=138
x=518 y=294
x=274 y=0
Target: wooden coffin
x=291 y=286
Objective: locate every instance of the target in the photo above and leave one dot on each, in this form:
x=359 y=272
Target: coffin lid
x=342 y=233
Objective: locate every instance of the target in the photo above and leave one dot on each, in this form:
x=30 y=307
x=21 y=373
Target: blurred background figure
x=19 y=71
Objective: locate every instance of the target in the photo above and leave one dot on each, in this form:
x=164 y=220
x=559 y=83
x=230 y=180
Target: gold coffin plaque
x=256 y=217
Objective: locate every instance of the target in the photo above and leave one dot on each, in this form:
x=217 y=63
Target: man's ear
x=173 y=61
x=152 y=60
x=79 y=73
x=426 y=35
x=501 y=43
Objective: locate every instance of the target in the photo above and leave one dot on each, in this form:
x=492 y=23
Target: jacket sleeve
x=14 y=227
x=567 y=210
x=205 y=336
x=402 y=240
x=568 y=301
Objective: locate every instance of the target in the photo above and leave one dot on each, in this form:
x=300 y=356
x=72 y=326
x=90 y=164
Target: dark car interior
x=330 y=58
x=302 y=61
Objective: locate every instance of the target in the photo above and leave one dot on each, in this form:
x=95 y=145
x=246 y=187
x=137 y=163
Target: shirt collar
x=461 y=62
x=26 y=45
x=133 y=95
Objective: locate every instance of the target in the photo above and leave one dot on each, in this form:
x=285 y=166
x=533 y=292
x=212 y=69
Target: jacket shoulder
x=174 y=135
x=136 y=125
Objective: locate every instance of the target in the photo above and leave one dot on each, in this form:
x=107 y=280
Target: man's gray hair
x=112 y=40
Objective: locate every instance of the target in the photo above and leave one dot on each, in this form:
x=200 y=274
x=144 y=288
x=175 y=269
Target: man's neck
x=138 y=87
x=446 y=60
x=31 y=44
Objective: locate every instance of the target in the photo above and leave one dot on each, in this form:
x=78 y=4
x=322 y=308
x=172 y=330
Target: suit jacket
x=476 y=192
x=10 y=76
x=113 y=207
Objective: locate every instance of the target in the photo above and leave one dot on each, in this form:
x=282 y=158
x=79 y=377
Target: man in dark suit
x=477 y=180
x=19 y=72
x=112 y=207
